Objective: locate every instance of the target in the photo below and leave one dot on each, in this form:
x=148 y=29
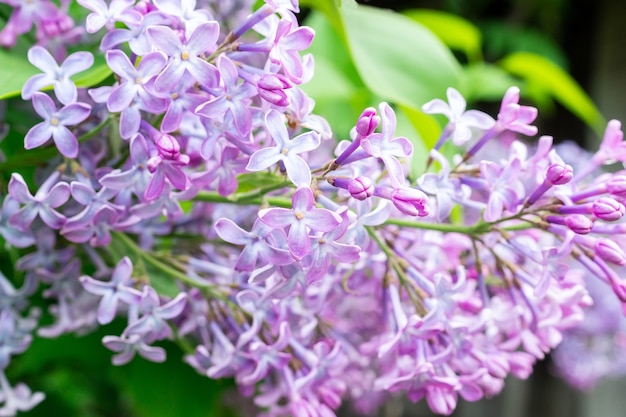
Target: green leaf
x=398 y=59
x=339 y=93
x=484 y=81
x=255 y=180
x=542 y=74
x=456 y=32
x=503 y=38
x=15 y=69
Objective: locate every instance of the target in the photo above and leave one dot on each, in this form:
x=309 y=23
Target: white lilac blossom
x=222 y=219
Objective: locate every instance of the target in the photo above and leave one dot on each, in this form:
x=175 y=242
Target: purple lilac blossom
x=55 y=75
x=55 y=125
x=318 y=289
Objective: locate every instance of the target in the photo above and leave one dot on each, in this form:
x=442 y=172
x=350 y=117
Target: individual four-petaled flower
x=285 y=150
x=55 y=125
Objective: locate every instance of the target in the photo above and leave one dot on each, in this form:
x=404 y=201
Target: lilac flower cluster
x=212 y=207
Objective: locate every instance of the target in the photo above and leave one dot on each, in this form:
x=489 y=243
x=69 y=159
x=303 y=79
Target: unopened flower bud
x=410 y=201
x=609 y=251
x=559 y=174
x=168 y=146
x=616 y=185
x=608 y=209
x=368 y=122
x=579 y=224
x=360 y=188
x=271 y=86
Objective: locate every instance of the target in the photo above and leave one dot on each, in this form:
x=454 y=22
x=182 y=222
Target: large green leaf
x=398 y=59
x=339 y=93
x=423 y=135
x=456 y=32
x=542 y=74
x=484 y=81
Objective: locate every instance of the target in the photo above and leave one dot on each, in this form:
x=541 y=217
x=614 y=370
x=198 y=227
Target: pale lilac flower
x=262 y=241
x=12 y=235
x=460 y=122
x=134 y=80
x=612 y=149
x=119 y=288
x=55 y=125
x=50 y=195
x=137 y=176
x=97 y=231
x=232 y=96
x=152 y=325
x=17 y=398
x=505 y=189
x=128 y=345
x=186 y=11
x=136 y=35
x=515 y=117
x=285 y=150
x=117 y=11
x=55 y=75
x=302 y=218
x=186 y=57
x=387 y=147
x=289 y=40
x=226 y=171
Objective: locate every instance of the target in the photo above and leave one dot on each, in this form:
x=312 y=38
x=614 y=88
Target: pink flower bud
x=361 y=188
x=579 y=223
x=608 y=209
x=609 y=251
x=559 y=174
x=271 y=88
x=168 y=146
x=616 y=185
x=410 y=201
x=368 y=122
